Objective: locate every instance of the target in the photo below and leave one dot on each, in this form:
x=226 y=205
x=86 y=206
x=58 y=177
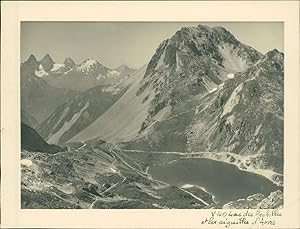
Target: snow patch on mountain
x=57 y=67
x=88 y=65
x=213 y=90
x=53 y=139
x=233 y=100
x=41 y=72
x=209 y=84
x=257 y=129
x=221 y=86
x=160 y=63
x=187 y=186
x=65 y=73
x=99 y=77
x=64 y=113
x=178 y=62
x=113 y=73
x=230 y=119
x=230 y=76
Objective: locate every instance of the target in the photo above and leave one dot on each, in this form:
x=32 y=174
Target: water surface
x=225 y=181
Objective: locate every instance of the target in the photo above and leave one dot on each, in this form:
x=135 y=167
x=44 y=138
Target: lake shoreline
x=239 y=162
x=225 y=181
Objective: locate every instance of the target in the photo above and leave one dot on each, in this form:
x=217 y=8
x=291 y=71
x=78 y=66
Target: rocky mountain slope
x=122 y=119
x=76 y=114
x=245 y=115
x=190 y=64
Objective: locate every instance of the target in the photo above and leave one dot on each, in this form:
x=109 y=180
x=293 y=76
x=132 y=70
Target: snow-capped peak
x=88 y=65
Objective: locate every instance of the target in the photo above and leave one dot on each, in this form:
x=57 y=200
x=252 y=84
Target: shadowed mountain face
x=78 y=113
x=32 y=141
x=47 y=63
x=28 y=119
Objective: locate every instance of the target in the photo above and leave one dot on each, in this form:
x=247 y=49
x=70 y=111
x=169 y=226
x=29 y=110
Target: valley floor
x=103 y=177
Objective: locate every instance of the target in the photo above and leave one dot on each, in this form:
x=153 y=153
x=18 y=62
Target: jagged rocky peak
x=273 y=56
x=69 y=62
x=272 y=61
x=90 y=62
x=211 y=44
x=91 y=66
x=204 y=38
x=47 y=62
x=32 y=61
x=204 y=33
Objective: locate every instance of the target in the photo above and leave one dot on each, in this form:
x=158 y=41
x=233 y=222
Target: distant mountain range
x=45 y=82
x=78 y=77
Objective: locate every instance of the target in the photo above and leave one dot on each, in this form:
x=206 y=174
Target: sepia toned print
x=192 y=121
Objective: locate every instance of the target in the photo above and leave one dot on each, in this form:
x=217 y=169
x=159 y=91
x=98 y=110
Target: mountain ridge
x=180 y=69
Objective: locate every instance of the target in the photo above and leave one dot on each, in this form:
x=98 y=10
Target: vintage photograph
x=152 y=115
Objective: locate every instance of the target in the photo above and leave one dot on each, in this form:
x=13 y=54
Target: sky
x=129 y=43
